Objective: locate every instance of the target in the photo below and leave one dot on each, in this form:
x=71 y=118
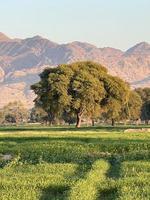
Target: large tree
x=81 y=88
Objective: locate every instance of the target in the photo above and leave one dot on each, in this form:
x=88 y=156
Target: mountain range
x=21 y=61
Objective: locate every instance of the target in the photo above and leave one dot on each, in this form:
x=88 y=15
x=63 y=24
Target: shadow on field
x=55 y=192
x=67 y=128
x=70 y=139
x=108 y=194
x=49 y=139
x=115 y=168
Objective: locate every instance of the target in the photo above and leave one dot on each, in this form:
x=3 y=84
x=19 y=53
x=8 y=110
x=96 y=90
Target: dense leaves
x=14 y=112
x=81 y=88
x=145 y=110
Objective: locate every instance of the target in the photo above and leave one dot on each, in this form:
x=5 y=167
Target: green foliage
x=113 y=110
x=134 y=106
x=81 y=88
x=145 y=96
x=126 y=108
x=37 y=114
x=135 y=180
x=30 y=181
x=14 y=112
x=69 y=117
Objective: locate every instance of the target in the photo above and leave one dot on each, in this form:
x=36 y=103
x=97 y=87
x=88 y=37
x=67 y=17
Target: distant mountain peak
x=142 y=45
x=37 y=37
x=140 y=48
x=82 y=43
x=3 y=37
x=40 y=41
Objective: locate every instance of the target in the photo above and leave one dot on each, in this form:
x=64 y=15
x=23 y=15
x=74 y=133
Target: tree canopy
x=144 y=93
x=82 y=88
x=14 y=112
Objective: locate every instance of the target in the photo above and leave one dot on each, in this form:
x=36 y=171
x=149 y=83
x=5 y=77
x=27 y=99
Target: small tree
x=134 y=106
x=113 y=110
x=2 y=117
x=117 y=97
x=145 y=110
x=15 y=112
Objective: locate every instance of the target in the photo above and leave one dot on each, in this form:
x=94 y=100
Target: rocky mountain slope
x=21 y=60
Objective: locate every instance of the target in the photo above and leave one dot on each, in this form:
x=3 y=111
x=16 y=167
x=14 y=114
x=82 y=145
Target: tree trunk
x=78 y=124
x=146 y=122
x=113 y=122
x=93 y=122
x=137 y=122
x=50 y=123
x=125 y=122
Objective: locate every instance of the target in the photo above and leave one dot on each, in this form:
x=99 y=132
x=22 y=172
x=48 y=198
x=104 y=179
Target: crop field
x=64 y=163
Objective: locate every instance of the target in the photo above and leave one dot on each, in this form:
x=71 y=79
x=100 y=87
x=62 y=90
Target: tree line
x=72 y=93
x=85 y=90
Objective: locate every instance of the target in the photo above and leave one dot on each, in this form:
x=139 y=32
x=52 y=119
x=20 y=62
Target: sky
x=114 y=23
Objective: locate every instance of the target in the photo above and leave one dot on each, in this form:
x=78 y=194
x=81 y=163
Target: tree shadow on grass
x=108 y=194
x=94 y=140
x=55 y=193
x=52 y=129
x=115 y=168
x=67 y=128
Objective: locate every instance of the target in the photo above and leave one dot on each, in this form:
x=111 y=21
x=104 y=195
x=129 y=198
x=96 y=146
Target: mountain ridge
x=21 y=60
x=4 y=37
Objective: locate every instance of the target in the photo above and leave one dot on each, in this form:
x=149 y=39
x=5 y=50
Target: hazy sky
x=116 y=23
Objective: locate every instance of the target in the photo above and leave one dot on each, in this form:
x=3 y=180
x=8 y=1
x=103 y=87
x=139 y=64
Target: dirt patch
x=141 y=130
x=5 y=157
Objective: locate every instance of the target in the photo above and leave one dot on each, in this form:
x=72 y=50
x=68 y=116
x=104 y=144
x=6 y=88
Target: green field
x=100 y=163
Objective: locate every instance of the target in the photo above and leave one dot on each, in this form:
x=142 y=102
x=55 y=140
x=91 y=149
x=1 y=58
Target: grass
x=39 y=181
x=87 y=188
x=64 y=163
